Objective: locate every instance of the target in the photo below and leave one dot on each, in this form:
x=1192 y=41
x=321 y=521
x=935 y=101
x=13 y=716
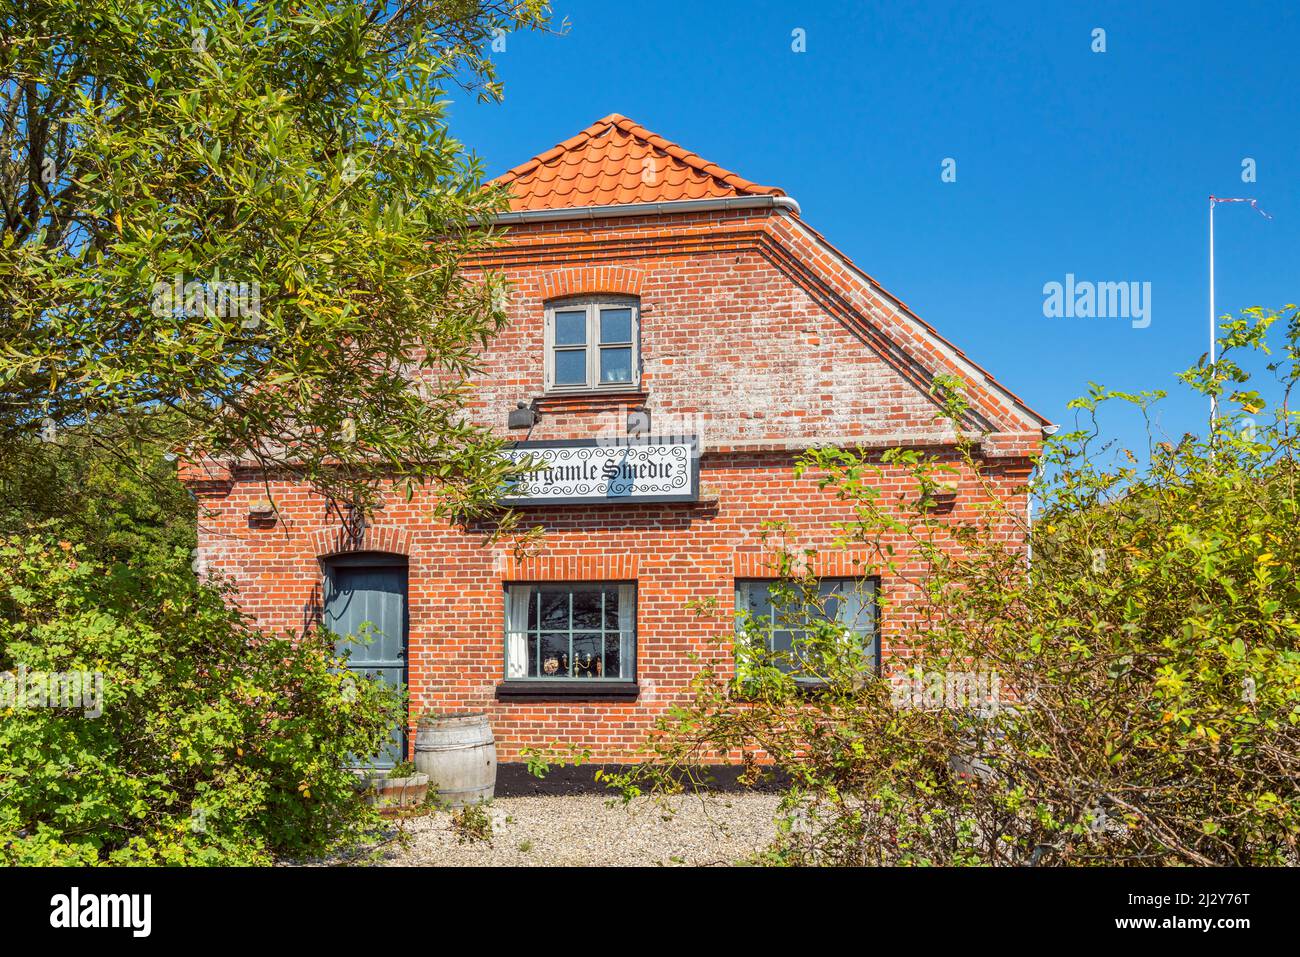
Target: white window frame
x=518 y=637
x=592 y=305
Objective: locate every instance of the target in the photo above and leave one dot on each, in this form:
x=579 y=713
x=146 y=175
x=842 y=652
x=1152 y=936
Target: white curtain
x=517 y=631
x=626 y=631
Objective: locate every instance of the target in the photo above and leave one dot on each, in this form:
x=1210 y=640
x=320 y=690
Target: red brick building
x=681 y=334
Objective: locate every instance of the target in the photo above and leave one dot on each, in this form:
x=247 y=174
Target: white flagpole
x=1213 y=404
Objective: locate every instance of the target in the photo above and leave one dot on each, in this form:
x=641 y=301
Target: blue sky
x=1067 y=161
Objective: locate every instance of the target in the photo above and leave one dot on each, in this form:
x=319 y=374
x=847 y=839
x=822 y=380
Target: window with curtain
x=571 y=631
x=850 y=602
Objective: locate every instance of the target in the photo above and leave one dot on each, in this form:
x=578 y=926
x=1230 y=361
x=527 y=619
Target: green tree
x=251 y=215
x=115 y=495
x=233 y=230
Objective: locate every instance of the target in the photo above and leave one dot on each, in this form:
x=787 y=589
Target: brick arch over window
x=593 y=279
x=329 y=542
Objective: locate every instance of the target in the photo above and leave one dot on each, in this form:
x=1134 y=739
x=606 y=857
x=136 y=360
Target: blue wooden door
x=357 y=595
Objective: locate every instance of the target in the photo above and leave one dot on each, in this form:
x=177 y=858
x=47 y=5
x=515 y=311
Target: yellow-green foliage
x=214 y=742
x=1147 y=661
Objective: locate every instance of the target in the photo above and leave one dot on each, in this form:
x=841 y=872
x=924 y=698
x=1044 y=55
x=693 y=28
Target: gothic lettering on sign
x=591 y=471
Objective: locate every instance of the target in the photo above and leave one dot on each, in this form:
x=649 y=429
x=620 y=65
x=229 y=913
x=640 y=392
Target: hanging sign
x=599 y=471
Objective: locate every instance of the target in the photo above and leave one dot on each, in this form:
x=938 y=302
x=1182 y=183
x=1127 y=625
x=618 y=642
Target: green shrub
x=1143 y=701
x=472 y=824
x=201 y=740
x=96 y=486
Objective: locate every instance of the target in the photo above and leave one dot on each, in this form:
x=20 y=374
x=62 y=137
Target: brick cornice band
x=829 y=563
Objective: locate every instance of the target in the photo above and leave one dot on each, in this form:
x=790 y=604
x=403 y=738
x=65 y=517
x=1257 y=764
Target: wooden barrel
x=459 y=754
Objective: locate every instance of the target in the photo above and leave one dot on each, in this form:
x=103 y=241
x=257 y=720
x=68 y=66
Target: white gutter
x=783 y=203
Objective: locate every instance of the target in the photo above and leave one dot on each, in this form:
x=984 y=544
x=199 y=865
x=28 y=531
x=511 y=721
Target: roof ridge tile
x=594 y=167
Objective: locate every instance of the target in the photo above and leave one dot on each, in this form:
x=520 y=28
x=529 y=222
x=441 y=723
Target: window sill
x=568 y=690
x=624 y=392
x=803 y=687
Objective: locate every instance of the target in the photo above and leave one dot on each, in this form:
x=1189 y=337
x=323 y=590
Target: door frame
x=376 y=559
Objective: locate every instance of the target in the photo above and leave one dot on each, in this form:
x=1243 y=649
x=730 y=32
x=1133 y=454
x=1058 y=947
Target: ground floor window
x=581 y=631
x=783 y=610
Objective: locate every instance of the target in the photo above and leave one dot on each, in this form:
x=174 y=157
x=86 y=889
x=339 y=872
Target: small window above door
x=593 y=344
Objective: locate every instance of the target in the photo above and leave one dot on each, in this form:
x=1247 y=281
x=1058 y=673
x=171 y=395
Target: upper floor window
x=592 y=344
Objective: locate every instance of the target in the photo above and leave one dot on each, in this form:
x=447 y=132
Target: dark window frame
x=873 y=637
x=628 y=652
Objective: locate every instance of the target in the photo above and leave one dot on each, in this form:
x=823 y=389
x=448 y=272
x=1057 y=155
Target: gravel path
x=579 y=830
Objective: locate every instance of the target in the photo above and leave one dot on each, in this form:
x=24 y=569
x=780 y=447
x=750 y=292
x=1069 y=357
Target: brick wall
x=757 y=337
x=676 y=553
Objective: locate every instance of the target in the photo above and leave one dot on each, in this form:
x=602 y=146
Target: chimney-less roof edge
x=785 y=203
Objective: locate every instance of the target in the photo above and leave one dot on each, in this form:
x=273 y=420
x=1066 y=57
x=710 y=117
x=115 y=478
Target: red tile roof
x=616 y=161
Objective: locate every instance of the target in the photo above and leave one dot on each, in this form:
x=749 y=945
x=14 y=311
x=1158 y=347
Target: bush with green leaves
x=472 y=824
x=1142 y=701
x=234 y=231
x=100 y=487
x=194 y=738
